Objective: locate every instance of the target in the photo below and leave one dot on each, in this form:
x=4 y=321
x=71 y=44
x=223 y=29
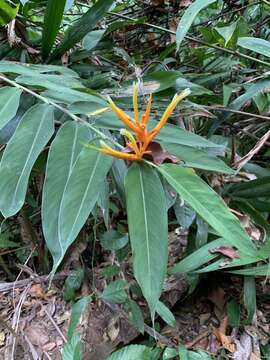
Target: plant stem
x=59 y=107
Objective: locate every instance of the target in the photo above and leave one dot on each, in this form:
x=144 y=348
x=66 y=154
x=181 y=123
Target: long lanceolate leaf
x=208 y=205
x=85 y=24
x=52 y=20
x=148 y=229
x=63 y=154
x=9 y=103
x=188 y=18
x=30 y=137
x=80 y=196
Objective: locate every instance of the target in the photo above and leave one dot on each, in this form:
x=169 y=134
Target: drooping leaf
x=30 y=137
x=115 y=292
x=8 y=11
x=147 y=220
x=76 y=312
x=250 y=297
x=82 y=26
x=257 y=45
x=253 y=90
x=136 y=315
x=72 y=349
x=80 y=196
x=188 y=18
x=208 y=205
x=92 y=39
x=63 y=154
x=9 y=103
x=166 y=314
x=114 y=240
x=52 y=20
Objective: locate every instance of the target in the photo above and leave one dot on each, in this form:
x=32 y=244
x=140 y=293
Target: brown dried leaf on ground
x=224 y=340
x=228 y=251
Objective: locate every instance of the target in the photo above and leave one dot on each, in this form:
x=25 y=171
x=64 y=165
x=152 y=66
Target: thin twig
x=198 y=41
x=55 y=325
x=225 y=109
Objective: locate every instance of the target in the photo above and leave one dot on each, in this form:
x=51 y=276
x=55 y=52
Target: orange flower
x=138 y=145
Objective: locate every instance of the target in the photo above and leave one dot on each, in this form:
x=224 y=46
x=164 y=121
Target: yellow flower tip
x=132 y=141
x=146 y=115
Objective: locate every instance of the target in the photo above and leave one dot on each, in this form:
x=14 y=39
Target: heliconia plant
x=82 y=156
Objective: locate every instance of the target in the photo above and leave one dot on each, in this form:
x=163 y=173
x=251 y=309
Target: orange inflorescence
x=138 y=145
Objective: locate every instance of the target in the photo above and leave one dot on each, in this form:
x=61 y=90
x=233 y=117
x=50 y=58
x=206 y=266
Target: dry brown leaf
x=225 y=340
x=228 y=251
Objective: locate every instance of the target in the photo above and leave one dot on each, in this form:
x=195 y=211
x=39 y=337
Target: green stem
x=59 y=107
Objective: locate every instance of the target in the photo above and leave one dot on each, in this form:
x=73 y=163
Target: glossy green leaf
x=263 y=270
x=82 y=26
x=205 y=201
x=115 y=292
x=188 y=18
x=148 y=230
x=257 y=45
x=9 y=103
x=8 y=11
x=92 y=39
x=30 y=137
x=165 y=313
x=251 y=189
x=63 y=154
x=52 y=20
x=76 y=311
x=132 y=352
x=80 y=196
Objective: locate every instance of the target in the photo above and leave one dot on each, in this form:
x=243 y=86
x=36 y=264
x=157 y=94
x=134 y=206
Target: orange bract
x=138 y=145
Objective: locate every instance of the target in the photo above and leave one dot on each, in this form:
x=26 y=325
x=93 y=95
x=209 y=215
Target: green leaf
x=250 y=297
x=188 y=18
x=166 y=314
x=136 y=317
x=76 y=311
x=253 y=90
x=257 y=45
x=148 y=230
x=80 y=196
x=63 y=154
x=197 y=258
x=8 y=11
x=131 y=352
x=73 y=283
x=263 y=270
x=92 y=39
x=233 y=313
x=72 y=349
x=227 y=31
x=208 y=205
x=113 y=240
x=197 y=158
x=115 y=292
x=9 y=103
x=169 y=353
x=52 y=20
x=29 y=139
x=82 y=26
x=251 y=189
